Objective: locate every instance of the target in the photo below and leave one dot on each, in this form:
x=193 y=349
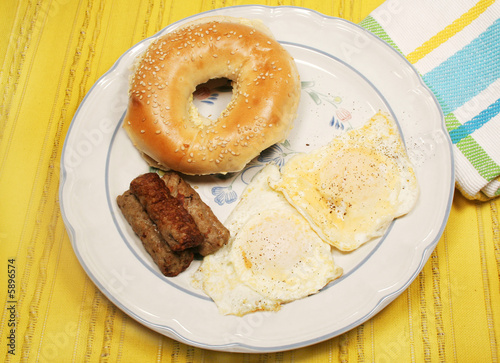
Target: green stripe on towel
x=373 y=26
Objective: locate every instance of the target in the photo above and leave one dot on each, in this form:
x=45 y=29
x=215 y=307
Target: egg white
x=351 y=189
x=272 y=257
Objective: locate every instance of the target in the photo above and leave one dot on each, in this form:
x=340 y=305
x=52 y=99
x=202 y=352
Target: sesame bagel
x=167 y=128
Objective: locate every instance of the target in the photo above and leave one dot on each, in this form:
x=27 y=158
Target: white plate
x=347 y=75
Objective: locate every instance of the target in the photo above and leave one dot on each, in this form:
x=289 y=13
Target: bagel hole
x=212 y=97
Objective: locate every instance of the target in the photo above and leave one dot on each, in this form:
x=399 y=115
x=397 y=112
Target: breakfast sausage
x=169 y=262
x=214 y=233
x=174 y=223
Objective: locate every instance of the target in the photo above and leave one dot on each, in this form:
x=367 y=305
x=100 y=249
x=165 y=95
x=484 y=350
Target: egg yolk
x=278 y=255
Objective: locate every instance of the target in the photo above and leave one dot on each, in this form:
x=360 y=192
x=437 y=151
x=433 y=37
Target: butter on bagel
x=167 y=128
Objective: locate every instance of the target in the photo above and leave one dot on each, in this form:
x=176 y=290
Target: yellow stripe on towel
x=449 y=31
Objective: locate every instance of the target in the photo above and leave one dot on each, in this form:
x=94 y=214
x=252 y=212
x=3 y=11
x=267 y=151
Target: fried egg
x=351 y=189
x=273 y=255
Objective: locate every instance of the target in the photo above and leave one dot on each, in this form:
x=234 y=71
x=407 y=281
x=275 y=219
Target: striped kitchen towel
x=455 y=46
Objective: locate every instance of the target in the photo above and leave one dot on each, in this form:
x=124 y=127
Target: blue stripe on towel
x=475 y=123
x=468 y=72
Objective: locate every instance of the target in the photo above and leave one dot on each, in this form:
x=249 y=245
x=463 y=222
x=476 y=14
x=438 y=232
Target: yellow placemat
x=52 y=52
